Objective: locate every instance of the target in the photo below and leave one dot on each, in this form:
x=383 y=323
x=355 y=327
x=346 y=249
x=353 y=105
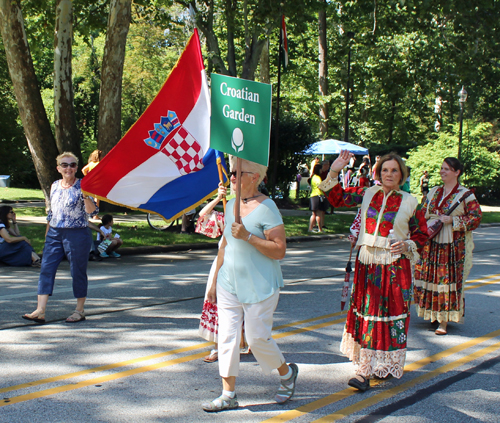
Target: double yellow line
x=143 y=369
x=283 y=417
x=338 y=396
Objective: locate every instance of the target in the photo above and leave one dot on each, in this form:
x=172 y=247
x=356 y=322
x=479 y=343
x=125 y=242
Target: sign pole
x=219 y=168
x=237 y=217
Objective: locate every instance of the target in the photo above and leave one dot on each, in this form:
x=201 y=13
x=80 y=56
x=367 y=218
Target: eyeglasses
x=65 y=165
x=233 y=173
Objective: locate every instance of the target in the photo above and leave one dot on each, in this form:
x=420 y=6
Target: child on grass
x=109 y=244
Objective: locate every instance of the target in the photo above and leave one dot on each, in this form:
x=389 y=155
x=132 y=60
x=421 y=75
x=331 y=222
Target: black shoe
x=356 y=383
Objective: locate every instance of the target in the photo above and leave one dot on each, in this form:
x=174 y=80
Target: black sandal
x=361 y=386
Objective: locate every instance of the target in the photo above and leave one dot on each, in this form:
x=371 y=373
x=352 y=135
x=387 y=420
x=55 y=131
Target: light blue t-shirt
x=247 y=273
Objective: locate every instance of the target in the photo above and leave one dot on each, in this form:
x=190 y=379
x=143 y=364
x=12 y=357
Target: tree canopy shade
x=404 y=54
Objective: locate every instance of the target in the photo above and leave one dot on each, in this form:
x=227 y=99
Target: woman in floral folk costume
x=447 y=258
x=379 y=314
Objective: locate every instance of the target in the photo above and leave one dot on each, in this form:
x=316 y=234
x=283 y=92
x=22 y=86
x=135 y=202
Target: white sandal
x=77 y=316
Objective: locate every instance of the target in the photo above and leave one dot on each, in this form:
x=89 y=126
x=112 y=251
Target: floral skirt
x=378 y=318
x=209 y=321
x=440 y=277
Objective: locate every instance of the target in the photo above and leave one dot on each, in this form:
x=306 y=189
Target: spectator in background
x=406 y=186
x=424 y=184
x=115 y=241
x=317 y=201
x=363 y=173
x=374 y=171
x=94 y=159
x=15 y=249
x=314 y=162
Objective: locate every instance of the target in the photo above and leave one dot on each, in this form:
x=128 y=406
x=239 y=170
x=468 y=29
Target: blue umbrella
x=334 y=146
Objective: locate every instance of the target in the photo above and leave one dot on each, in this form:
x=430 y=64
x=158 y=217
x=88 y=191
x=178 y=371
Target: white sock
x=229 y=394
x=288 y=375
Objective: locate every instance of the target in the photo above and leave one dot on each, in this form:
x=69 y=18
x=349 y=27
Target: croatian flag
x=164 y=163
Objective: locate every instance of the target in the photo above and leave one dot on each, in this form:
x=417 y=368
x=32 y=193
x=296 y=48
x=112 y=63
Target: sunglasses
x=65 y=165
x=233 y=173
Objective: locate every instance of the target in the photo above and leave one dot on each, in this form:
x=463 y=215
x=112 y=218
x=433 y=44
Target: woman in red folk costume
x=447 y=258
x=379 y=314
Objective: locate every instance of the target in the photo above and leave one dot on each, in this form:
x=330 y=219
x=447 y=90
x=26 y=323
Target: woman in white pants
x=249 y=278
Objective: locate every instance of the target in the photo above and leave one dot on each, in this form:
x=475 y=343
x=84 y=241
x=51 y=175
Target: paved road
x=137 y=357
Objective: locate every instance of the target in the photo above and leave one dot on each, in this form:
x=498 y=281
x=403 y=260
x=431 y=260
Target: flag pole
x=277 y=120
x=237 y=217
x=219 y=168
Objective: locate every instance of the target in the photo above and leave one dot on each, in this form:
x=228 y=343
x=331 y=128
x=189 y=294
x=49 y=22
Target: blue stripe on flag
x=182 y=194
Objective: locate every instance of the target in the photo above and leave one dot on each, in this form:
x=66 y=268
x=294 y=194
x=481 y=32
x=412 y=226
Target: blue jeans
x=74 y=243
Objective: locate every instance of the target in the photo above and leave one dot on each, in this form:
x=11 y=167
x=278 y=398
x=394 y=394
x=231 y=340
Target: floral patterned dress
x=377 y=323
x=446 y=259
x=209 y=321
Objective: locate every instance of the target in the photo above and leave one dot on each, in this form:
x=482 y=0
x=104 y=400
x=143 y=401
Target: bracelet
x=249 y=236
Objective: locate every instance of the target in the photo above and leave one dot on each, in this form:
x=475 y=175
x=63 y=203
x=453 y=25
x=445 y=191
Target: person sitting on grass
x=15 y=249
x=114 y=240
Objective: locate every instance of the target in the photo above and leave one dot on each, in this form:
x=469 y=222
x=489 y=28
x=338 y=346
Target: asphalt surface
x=137 y=357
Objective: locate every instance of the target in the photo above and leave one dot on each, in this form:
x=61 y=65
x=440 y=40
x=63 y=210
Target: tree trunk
x=109 y=128
x=207 y=29
x=323 y=71
x=64 y=111
x=253 y=49
x=391 y=121
x=231 y=56
x=265 y=76
x=36 y=125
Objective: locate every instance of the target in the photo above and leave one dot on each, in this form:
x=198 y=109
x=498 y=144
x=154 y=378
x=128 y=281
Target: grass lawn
x=139 y=233
x=21 y=194
x=136 y=234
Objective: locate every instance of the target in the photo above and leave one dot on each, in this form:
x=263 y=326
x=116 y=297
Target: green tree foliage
x=480 y=160
x=295 y=136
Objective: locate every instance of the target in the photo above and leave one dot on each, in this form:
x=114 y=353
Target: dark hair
x=316 y=171
x=4 y=211
x=401 y=163
x=455 y=164
x=107 y=218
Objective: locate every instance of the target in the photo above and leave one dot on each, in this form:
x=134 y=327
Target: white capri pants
x=258 y=319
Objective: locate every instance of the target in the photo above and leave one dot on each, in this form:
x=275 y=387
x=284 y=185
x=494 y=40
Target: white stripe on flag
x=141 y=183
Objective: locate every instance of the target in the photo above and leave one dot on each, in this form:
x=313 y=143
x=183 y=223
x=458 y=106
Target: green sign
x=241 y=118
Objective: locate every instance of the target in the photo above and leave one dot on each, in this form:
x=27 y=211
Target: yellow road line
x=338 y=396
x=180 y=360
x=485 y=277
x=97 y=380
x=481 y=284
x=132 y=371
x=314 y=319
x=106 y=367
x=407 y=385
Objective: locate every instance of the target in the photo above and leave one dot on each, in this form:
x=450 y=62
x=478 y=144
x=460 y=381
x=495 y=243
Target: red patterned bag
x=211 y=225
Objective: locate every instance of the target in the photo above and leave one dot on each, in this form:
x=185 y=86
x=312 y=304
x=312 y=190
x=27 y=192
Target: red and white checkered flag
x=185 y=152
